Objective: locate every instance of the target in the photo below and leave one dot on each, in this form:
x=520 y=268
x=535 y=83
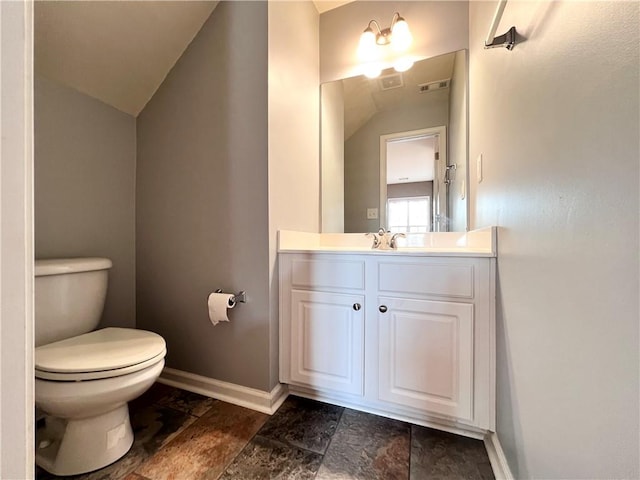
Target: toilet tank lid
x=60 y=266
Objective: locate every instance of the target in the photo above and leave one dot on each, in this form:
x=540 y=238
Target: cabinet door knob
x=382 y=308
x=357 y=306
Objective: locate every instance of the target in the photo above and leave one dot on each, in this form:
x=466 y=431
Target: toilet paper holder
x=240 y=297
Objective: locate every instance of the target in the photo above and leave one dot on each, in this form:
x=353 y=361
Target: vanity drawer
x=327 y=273
x=439 y=279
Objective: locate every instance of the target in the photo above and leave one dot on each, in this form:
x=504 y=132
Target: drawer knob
x=382 y=308
x=357 y=306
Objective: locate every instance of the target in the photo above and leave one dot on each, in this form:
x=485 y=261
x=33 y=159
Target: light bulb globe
x=371 y=70
x=367 y=47
x=402 y=64
x=401 y=36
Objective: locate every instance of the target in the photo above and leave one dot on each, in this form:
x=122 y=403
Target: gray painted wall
x=84 y=171
x=557 y=122
x=202 y=200
x=362 y=156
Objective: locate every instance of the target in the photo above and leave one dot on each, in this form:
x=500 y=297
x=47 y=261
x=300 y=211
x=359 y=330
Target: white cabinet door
x=327 y=340
x=426 y=355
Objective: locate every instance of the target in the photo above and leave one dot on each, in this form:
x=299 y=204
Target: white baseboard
x=497 y=458
x=265 y=402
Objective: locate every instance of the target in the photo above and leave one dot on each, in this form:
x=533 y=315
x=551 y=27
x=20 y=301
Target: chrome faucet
x=393 y=243
x=383 y=240
x=378 y=238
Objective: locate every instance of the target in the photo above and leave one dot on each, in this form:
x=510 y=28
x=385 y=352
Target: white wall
x=557 y=121
x=332 y=157
x=458 y=142
x=294 y=170
x=16 y=241
x=437 y=28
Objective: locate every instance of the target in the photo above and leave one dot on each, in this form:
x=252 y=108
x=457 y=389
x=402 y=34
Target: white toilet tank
x=69 y=297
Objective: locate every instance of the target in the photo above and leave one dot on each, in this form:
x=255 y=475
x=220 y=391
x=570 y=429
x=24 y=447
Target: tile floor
x=182 y=435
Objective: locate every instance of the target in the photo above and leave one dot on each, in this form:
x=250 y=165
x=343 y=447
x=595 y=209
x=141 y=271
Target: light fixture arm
x=396 y=18
x=370 y=29
x=397 y=35
x=383 y=36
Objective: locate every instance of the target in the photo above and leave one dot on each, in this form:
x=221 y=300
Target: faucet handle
x=393 y=242
x=376 y=240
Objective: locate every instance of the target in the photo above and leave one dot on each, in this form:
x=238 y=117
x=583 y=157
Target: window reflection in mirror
x=361 y=117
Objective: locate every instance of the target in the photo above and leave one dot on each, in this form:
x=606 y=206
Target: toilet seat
x=105 y=353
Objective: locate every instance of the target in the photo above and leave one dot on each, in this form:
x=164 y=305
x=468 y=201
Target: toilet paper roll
x=219 y=303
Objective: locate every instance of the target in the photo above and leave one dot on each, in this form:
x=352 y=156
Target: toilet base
x=80 y=445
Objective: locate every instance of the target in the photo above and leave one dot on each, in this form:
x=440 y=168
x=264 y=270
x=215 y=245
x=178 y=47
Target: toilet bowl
x=84 y=381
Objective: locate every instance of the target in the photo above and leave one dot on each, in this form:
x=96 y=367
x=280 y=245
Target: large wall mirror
x=394 y=149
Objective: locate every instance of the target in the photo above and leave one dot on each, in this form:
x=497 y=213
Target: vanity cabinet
x=327 y=340
x=408 y=336
x=425 y=355
x=322 y=322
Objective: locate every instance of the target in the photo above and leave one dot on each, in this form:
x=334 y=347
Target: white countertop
x=476 y=243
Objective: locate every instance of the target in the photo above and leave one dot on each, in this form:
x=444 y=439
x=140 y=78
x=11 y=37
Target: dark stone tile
x=445 y=456
x=153 y=427
x=135 y=476
x=119 y=469
x=151 y=396
x=156 y=425
x=207 y=447
x=188 y=402
x=367 y=447
x=303 y=423
x=264 y=458
x=43 y=474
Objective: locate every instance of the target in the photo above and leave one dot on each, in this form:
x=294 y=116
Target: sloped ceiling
x=116 y=51
x=326 y=5
x=119 y=51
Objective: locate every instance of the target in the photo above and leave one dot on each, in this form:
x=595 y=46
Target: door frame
x=440 y=165
x=16 y=241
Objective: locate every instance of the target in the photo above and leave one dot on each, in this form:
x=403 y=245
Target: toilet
x=85 y=377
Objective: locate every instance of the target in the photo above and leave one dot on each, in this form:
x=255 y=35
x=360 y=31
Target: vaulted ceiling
x=118 y=51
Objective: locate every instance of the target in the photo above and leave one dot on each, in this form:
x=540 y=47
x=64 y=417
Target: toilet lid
x=107 y=350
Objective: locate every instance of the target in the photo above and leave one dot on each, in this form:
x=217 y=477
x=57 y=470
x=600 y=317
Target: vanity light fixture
x=375 y=46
